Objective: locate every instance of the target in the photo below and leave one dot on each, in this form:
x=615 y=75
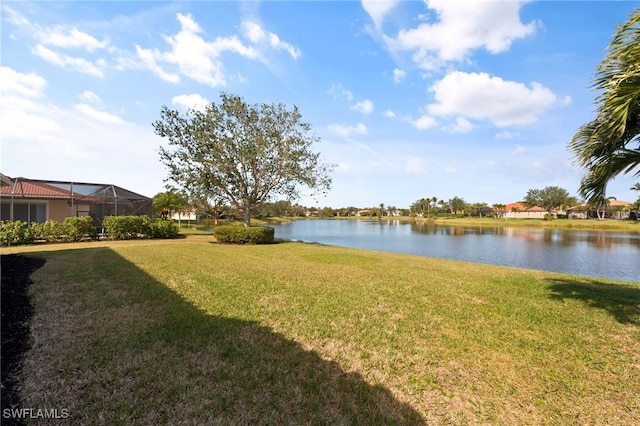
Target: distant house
x=521 y=211
x=185 y=215
x=33 y=200
x=616 y=209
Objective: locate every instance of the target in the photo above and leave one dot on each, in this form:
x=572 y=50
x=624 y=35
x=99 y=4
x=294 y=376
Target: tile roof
x=523 y=208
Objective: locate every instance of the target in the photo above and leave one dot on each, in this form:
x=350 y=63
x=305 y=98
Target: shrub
x=164 y=228
x=13 y=233
x=127 y=227
x=77 y=228
x=244 y=235
x=549 y=216
x=132 y=227
x=49 y=231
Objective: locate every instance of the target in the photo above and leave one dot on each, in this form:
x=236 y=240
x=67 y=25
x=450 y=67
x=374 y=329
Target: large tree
x=610 y=144
x=247 y=153
x=550 y=198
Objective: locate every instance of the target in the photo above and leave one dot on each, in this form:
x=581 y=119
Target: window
x=26 y=211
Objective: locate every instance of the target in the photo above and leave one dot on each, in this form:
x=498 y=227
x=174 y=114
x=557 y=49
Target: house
x=33 y=200
x=616 y=209
x=521 y=211
x=189 y=215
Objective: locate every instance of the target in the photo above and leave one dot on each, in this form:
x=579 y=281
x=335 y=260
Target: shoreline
x=567 y=224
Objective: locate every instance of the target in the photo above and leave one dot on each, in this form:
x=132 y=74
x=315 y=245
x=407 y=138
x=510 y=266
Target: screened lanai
x=34 y=200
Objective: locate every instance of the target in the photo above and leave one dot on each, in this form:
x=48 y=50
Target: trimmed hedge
x=134 y=227
x=127 y=227
x=72 y=229
x=79 y=228
x=244 y=235
x=164 y=228
x=13 y=233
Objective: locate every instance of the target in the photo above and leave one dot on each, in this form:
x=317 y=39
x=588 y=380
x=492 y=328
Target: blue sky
x=411 y=99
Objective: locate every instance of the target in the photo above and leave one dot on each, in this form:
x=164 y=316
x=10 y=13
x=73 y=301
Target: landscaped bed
x=193 y=332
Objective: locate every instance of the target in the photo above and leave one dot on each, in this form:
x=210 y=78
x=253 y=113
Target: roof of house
x=5 y=180
x=52 y=190
x=23 y=188
x=523 y=208
x=611 y=203
x=618 y=203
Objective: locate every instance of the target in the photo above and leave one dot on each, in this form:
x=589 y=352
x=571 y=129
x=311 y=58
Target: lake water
x=588 y=253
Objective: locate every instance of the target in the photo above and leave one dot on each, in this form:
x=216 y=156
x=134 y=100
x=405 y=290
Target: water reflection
x=581 y=252
x=561 y=237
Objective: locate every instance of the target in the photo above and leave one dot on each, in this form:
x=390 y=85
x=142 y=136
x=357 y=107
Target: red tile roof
x=523 y=208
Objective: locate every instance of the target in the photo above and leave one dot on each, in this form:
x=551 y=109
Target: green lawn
x=193 y=332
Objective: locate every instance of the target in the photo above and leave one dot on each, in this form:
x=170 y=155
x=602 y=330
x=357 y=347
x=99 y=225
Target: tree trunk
x=247 y=215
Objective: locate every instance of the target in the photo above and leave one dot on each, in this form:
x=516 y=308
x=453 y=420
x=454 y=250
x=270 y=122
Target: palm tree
x=602 y=205
x=610 y=144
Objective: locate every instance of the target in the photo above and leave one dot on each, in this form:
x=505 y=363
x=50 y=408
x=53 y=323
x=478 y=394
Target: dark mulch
x=16 y=315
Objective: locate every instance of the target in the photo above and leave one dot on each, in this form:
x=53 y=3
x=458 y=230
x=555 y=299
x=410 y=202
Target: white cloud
x=253 y=32
x=89 y=96
x=192 y=101
x=20 y=113
x=337 y=91
x=15 y=17
x=13 y=82
x=148 y=58
x=482 y=97
x=257 y=35
x=194 y=56
x=461 y=28
x=70 y=63
x=21 y=121
x=461 y=125
x=389 y=114
x=424 y=122
x=348 y=131
x=73 y=38
x=398 y=75
x=365 y=107
x=378 y=9
x=60 y=37
x=101 y=116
